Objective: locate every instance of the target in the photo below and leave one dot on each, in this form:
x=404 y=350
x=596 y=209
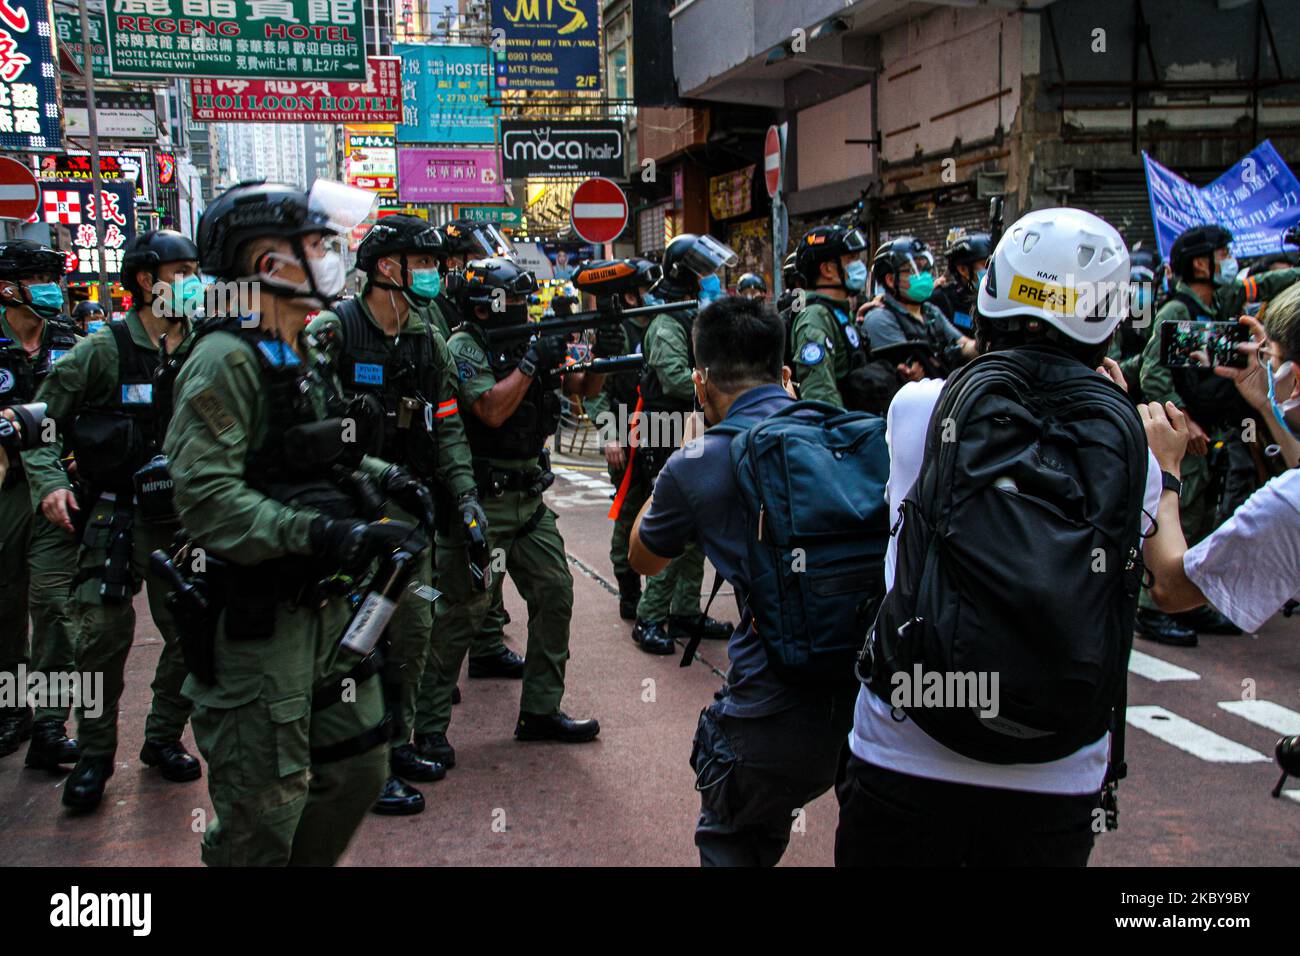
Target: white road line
x=1266 y=714
x=1292 y=795
x=1153 y=668
x=1193 y=738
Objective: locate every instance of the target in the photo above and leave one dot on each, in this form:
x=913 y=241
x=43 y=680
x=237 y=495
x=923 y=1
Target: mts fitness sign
x=561 y=150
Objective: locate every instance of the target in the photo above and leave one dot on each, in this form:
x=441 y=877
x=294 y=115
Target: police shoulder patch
x=208 y=405
x=464 y=370
x=812 y=354
x=851 y=334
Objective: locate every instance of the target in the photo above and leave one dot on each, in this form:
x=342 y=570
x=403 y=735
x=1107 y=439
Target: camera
x=24 y=432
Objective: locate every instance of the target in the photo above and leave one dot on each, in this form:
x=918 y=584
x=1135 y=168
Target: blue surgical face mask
x=979 y=275
x=426 y=283
x=1282 y=412
x=855 y=275
x=711 y=286
x=649 y=298
x=187 y=297
x=1225 y=271
x=921 y=287
x=45 y=299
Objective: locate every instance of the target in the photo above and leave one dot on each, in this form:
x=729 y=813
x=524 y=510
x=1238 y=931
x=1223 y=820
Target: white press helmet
x=1064 y=266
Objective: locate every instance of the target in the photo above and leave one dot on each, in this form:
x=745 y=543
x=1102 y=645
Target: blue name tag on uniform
x=141 y=393
x=278 y=353
x=56 y=354
x=368 y=374
x=962 y=320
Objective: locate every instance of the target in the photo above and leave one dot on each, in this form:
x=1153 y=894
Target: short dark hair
x=741 y=342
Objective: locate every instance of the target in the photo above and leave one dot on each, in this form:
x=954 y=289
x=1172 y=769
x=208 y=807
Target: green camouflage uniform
x=821 y=350
x=87 y=378
x=521 y=528
x=411 y=628
x=292 y=730
x=676 y=589
x=37 y=559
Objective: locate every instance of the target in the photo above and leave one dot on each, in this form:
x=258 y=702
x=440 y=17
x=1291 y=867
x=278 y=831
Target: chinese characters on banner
x=1256 y=200
x=731 y=194
x=370 y=158
x=549 y=46
x=444 y=94
x=69 y=209
x=67 y=26
x=377 y=100
x=293 y=39
x=449 y=175
x=29 y=86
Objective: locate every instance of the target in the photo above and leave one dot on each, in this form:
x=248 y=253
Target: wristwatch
x=528 y=367
x=1171 y=483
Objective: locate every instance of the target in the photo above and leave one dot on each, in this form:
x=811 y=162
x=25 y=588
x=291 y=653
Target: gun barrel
x=582 y=320
x=605 y=366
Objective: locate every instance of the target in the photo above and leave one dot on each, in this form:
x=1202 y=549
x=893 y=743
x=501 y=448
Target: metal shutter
x=1120 y=197
x=931 y=225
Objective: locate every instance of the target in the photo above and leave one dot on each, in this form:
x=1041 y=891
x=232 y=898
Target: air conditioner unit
x=1058 y=180
x=990 y=183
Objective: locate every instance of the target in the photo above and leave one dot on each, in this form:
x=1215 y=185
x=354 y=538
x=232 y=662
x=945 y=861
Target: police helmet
x=826 y=244
x=1194 y=243
x=151 y=249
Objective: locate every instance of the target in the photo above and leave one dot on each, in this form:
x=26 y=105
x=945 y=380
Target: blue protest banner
x=444 y=91
x=1256 y=199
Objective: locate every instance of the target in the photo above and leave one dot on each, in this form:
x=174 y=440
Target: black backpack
x=1019 y=556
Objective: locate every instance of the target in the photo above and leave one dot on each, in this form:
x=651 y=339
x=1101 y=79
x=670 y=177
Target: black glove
x=409 y=494
x=609 y=342
x=476 y=542
x=544 y=354
x=354 y=544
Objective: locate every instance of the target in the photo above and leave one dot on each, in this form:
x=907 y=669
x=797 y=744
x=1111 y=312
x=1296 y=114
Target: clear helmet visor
x=923 y=262
x=708 y=255
x=492 y=242
x=341 y=206
x=855 y=241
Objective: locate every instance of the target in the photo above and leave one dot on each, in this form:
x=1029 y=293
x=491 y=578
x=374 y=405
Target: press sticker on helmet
x=1045 y=295
x=812 y=354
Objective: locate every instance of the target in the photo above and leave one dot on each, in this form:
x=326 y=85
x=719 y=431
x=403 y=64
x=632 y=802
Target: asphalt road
x=1203 y=723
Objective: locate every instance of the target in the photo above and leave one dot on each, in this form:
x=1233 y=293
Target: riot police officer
x=36 y=557
x=462 y=241
x=829 y=353
x=389 y=348
x=89 y=315
x=620 y=392
x=111 y=402
x=270 y=478
x=508 y=402
x=1207 y=290
x=670 y=604
x=967 y=259
x=908 y=329
x=751 y=286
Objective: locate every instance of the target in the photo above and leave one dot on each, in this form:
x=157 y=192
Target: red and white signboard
x=20 y=197
x=599 y=210
x=63 y=206
x=772 y=160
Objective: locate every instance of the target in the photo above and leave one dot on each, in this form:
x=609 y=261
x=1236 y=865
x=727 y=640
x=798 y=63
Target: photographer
x=1224 y=568
x=765 y=747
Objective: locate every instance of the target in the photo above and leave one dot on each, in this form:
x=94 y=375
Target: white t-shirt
x=876 y=737
x=1250 y=566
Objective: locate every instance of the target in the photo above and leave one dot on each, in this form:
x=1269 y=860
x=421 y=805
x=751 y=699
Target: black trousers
x=893 y=819
x=754 y=774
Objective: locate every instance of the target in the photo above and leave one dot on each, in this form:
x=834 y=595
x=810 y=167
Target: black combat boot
x=84 y=788
x=171 y=757
x=407 y=763
x=687 y=626
x=629 y=595
x=505 y=663
x=50 y=747
x=652 y=637
x=435 y=747
x=1206 y=620
x=398 y=799
x=560 y=727
x=1160 y=627
x=15 y=727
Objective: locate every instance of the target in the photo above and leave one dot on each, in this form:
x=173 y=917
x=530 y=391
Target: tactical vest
x=525 y=432
x=20 y=379
x=622 y=385
x=114 y=440
x=402 y=376
x=1213 y=401
x=652 y=390
x=859 y=389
